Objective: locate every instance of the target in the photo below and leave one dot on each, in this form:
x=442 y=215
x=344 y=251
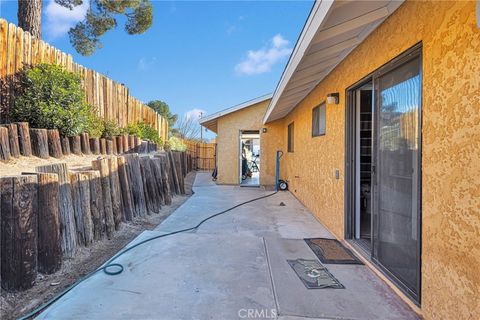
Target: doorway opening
x=363 y=154
x=249 y=169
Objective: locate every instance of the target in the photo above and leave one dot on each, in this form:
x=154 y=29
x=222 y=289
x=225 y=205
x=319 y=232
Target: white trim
x=355 y=23
x=319 y=67
x=319 y=12
x=235 y=108
x=308 y=79
x=240 y=163
x=310 y=59
x=308 y=66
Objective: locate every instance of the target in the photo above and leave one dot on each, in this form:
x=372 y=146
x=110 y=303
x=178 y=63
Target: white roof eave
x=238 y=107
x=317 y=15
x=338 y=27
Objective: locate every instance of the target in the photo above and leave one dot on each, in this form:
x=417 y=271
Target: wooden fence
x=111 y=99
x=203 y=154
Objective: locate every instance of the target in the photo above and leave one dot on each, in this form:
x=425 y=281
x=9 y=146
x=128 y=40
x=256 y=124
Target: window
x=290 y=137
x=318 y=120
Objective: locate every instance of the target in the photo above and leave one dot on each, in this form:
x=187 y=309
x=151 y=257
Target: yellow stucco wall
x=270 y=142
x=228 y=141
x=451 y=146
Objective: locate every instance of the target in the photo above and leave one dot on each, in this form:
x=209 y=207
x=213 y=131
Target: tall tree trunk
x=30 y=16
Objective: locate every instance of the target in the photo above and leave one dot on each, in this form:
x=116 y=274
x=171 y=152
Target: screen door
x=397 y=173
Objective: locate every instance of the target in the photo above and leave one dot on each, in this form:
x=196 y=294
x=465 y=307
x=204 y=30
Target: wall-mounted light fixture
x=333 y=98
x=264 y=130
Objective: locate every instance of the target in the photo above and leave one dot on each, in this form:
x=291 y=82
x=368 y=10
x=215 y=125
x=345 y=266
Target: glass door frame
x=414 y=52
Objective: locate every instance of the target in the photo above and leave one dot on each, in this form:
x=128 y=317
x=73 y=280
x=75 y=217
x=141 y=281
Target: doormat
x=331 y=251
x=314 y=275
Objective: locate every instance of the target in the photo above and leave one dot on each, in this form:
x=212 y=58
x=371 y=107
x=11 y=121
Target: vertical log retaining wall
x=18 y=139
x=46 y=216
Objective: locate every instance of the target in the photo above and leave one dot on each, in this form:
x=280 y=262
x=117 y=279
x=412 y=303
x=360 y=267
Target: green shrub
x=177 y=144
x=96 y=126
x=131 y=129
x=143 y=131
x=167 y=146
x=110 y=129
x=149 y=133
x=47 y=96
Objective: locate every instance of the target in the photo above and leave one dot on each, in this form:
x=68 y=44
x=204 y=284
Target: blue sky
x=196 y=56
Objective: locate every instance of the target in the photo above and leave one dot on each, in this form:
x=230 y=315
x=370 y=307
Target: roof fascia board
x=352 y=24
x=308 y=39
x=319 y=12
x=235 y=108
x=311 y=59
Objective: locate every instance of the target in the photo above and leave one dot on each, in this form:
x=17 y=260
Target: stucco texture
x=270 y=142
x=450 y=141
x=228 y=140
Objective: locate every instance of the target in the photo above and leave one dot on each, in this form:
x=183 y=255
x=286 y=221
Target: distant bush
x=131 y=129
x=110 y=129
x=96 y=126
x=177 y=144
x=47 y=96
x=167 y=146
x=149 y=133
x=143 y=131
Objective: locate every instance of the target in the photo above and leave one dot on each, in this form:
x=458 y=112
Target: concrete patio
x=233 y=267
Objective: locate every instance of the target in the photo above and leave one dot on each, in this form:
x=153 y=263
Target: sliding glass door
x=397 y=183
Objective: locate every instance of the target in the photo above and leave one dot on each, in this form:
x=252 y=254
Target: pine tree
x=163 y=109
x=101 y=17
x=30 y=16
